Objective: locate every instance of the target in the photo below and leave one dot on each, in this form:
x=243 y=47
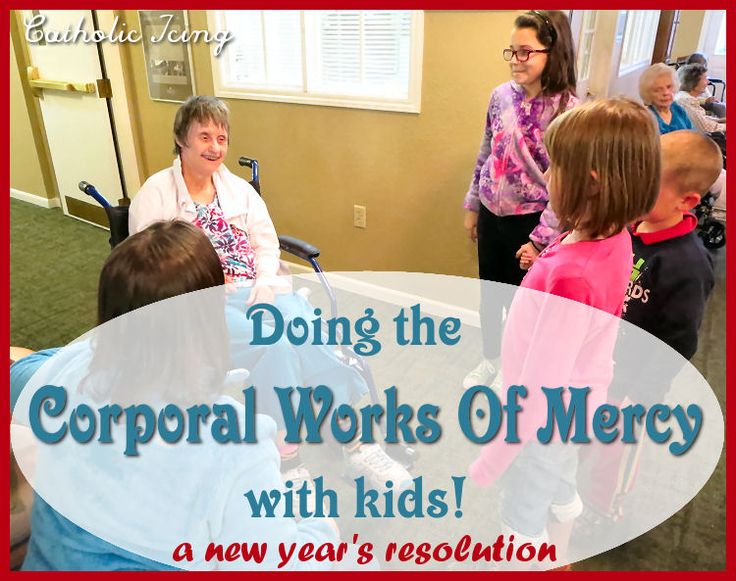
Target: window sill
x=406 y=106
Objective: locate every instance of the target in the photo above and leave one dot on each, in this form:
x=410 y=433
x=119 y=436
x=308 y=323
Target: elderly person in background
x=657 y=87
x=693 y=81
x=707 y=100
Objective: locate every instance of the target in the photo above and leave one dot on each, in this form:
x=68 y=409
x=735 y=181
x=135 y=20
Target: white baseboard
x=34 y=199
x=345 y=282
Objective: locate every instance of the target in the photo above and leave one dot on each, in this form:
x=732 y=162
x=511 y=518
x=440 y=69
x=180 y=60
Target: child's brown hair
x=691 y=162
x=605 y=159
x=164 y=261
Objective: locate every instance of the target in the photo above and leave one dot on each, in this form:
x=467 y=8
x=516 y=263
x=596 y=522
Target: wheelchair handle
x=90 y=190
x=298 y=248
x=253 y=165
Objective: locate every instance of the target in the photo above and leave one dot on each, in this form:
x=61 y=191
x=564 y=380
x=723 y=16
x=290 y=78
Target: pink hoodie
x=556 y=342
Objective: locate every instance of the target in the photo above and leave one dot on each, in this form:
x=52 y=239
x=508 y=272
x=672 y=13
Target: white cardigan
x=164 y=196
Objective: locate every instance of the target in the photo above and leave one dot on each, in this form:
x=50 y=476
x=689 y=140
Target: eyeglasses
x=522 y=55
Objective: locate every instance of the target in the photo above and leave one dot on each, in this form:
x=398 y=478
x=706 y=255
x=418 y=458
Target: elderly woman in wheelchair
x=199 y=189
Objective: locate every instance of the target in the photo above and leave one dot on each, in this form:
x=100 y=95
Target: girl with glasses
x=507 y=213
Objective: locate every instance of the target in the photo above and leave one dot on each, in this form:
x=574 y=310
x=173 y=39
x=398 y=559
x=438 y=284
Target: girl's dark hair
x=175 y=351
x=553 y=31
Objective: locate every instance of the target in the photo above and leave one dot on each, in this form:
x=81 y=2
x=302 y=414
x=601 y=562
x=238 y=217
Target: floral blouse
x=509 y=172
x=231 y=243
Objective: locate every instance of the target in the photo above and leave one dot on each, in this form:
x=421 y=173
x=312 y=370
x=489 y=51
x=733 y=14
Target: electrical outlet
x=359 y=216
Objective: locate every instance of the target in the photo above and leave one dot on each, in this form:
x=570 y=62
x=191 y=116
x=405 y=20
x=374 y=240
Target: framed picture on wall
x=168 y=64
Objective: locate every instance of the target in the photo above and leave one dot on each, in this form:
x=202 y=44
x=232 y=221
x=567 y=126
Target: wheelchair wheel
x=713 y=234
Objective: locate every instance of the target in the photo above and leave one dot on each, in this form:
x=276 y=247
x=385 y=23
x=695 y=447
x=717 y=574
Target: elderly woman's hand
x=261 y=294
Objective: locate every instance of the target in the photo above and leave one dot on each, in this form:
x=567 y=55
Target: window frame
x=411 y=104
x=713 y=21
x=589 y=32
x=721 y=36
x=646 y=55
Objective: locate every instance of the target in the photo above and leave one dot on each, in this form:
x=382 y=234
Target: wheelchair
x=117 y=217
x=711 y=231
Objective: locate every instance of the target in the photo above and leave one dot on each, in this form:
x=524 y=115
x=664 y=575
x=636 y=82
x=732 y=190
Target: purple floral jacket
x=509 y=172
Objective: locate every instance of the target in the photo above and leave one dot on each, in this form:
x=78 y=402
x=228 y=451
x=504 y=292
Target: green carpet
x=54 y=265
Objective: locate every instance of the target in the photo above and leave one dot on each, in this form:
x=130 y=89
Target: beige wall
x=687 y=34
x=25 y=169
x=411 y=171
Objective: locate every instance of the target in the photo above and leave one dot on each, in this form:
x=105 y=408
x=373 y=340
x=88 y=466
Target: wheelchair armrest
x=298 y=248
x=117 y=216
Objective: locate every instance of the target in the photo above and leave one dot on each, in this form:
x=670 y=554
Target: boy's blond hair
x=691 y=162
x=605 y=159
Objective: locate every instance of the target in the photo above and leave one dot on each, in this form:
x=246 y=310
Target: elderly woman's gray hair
x=201 y=109
x=690 y=76
x=650 y=75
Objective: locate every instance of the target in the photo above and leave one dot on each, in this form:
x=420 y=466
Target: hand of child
x=527 y=260
x=527 y=254
x=261 y=294
x=471 y=225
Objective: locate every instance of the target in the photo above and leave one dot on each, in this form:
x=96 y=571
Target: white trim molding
x=35 y=199
x=345 y=282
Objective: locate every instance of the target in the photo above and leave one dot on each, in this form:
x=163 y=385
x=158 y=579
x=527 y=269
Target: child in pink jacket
x=561 y=328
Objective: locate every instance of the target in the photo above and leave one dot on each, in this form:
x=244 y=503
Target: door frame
x=123 y=127
x=131 y=167
x=577 y=19
x=669 y=20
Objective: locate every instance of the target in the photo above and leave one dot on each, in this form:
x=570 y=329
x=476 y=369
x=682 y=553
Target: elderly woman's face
x=662 y=91
x=205 y=148
x=702 y=84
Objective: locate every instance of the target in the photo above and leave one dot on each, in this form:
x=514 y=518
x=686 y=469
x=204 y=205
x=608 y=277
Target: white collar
x=231 y=205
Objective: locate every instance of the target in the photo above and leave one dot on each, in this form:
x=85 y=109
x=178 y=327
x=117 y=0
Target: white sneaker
x=481 y=375
x=298 y=476
x=497 y=383
x=372 y=462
